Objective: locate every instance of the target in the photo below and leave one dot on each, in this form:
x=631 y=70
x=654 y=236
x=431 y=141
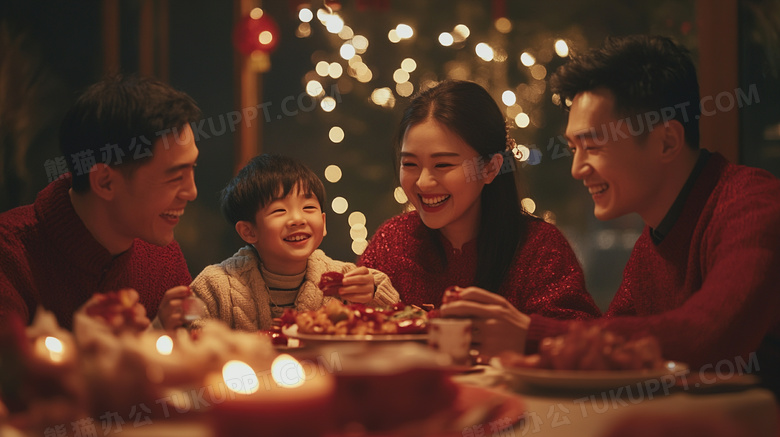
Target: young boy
x=275 y=204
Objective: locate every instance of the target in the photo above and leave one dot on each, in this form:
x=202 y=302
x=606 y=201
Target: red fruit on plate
x=330 y=282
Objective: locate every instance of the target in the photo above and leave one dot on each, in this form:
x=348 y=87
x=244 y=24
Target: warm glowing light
x=336 y=134
x=347 y=51
x=359 y=246
x=400 y=196
x=287 y=372
x=503 y=25
x=339 y=205
x=484 y=51
x=358 y=232
x=303 y=30
x=527 y=59
x=314 y=88
x=360 y=43
x=305 y=15
x=265 y=37
x=446 y=39
x=521 y=152
x=165 y=345
x=333 y=173
x=381 y=96
x=365 y=75
x=556 y=99
x=256 y=13
x=322 y=68
x=55 y=347
x=408 y=65
x=404 y=89
x=561 y=48
x=239 y=377
x=528 y=205
x=522 y=120
x=357 y=218
x=404 y=31
x=328 y=104
x=538 y=72
x=508 y=97
x=400 y=76
x=393 y=36
x=346 y=33
x=461 y=32
x=567 y=102
x=334 y=23
x=335 y=70
x=322 y=15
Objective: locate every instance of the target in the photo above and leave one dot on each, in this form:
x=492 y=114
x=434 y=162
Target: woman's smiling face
x=439 y=178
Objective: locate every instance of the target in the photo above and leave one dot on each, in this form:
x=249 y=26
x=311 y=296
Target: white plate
x=292 y=332
x=594 y=379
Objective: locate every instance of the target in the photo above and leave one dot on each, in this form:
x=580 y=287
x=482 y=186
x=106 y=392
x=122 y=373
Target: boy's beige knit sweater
x=234 y=290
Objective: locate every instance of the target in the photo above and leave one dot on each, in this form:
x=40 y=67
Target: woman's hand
x=357 y=286
x=170 y=311
x=497 y=324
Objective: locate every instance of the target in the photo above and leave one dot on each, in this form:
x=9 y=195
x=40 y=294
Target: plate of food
x=590 y=358
x=339 y=322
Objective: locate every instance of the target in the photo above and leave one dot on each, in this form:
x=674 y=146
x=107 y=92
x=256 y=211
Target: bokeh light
x=561 y=48
x=339 y=205
x=336 y=134
x=333 y=173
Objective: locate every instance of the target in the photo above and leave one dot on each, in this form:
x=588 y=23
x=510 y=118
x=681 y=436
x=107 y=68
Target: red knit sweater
x=544 y=277
x=710 y=290
x=49 y=258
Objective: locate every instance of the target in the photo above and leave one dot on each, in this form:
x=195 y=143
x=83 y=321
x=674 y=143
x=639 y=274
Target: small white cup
x=451 y=337
x=193 y=308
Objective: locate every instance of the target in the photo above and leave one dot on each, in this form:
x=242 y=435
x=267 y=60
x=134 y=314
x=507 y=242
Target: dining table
x=496 y=401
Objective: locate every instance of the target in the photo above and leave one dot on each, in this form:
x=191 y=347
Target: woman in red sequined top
x=468 y=227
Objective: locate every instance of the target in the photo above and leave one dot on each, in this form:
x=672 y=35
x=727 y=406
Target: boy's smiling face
x=286 y=232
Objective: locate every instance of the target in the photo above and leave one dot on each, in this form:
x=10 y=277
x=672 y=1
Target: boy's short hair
x=117 y=121
x=264 y=179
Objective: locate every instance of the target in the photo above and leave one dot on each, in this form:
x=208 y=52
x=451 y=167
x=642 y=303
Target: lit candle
x=290 y=402
x=51 y=350
x=164 y=345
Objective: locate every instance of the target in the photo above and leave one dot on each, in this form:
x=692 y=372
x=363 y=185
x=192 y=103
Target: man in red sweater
x=703 y=276
x=108 y=224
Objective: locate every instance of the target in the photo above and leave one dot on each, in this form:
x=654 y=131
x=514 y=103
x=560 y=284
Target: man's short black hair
x=643 y=73
x=117 y=121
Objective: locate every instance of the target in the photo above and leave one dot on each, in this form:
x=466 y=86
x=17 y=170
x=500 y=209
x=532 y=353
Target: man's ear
x=103 y=180
x=324 y=228
x=673 y=140
x=246 y=231
x=493 y=168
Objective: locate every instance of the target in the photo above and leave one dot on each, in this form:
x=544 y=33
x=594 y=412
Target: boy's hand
x=170 y=312
x=358 y=286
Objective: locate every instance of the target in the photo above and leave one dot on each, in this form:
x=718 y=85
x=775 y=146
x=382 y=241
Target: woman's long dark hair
x=469 y=111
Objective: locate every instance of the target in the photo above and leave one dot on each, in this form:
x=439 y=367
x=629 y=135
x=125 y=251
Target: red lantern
x=256 y=31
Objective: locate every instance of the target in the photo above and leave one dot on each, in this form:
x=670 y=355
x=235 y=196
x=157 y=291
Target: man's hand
x=358 y=286
x=119 y=309
x=170 y=311
x=497 y=325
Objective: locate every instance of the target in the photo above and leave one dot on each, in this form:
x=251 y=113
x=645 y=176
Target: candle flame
x=55 y=348
x=287 y=371
x=239 y=377
x=164 y=345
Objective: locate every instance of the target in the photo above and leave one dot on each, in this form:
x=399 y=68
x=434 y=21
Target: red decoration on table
x=256 y=34
x=330 y=282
